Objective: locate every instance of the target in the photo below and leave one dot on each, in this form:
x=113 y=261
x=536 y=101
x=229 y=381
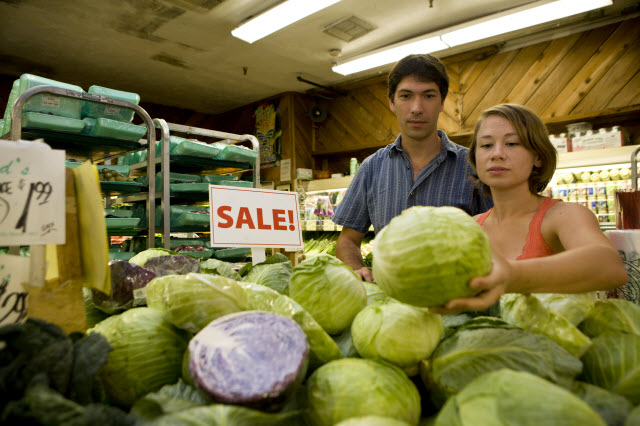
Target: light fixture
x=274 y=19
x=500 y=23
x=519 y=18
x=390 y=54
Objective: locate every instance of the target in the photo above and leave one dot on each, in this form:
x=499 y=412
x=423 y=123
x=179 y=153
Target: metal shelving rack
x=167 y=161
x=88 y=147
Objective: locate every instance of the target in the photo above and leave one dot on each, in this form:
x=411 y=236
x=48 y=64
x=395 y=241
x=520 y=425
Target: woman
x=540 y=245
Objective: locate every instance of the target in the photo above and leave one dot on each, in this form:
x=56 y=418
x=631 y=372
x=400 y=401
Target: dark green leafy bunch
x=49 y=377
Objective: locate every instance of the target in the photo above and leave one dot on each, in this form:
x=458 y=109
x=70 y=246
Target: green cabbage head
x=192 y=301
x=396 y=332
x=355 y=387
x=147 y=354
x=506 y=397
x=329 y=290
x=427 y=255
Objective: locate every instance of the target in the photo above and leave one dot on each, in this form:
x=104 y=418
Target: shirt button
x=411 y=193
x=408 y=167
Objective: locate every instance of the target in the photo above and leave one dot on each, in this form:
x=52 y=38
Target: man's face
x=417 y=105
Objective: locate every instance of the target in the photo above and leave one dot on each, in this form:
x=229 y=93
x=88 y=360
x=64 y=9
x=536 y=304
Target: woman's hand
x=489 y=289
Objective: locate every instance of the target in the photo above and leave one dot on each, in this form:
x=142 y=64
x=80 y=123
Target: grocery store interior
x=168 y=97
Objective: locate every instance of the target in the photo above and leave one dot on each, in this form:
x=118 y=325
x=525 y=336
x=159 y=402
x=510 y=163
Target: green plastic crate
x=48 y=103
x=112 y=112
x=36 y=120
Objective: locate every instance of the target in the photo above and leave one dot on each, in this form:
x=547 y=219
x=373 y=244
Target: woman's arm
x=589 y=262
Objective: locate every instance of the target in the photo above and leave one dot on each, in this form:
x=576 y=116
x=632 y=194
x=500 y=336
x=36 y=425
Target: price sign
x=247 y=217
x=32 y=194
x=14 y=270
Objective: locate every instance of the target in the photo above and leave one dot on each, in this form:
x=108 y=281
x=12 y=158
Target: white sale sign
x=250 y=217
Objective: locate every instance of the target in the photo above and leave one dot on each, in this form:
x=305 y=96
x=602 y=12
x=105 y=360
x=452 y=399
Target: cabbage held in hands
x=329 y=290
x=427 y=255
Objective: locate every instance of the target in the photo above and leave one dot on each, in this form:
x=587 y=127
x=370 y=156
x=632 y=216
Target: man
x=422 y=167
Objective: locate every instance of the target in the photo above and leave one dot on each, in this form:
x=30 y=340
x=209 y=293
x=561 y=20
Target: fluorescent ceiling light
x=516 y=20
x=286 y=13
x=389 y=55
x=479 y=29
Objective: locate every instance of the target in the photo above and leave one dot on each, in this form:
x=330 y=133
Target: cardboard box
x=304 y=174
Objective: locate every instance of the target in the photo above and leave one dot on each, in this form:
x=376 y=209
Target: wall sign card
x=248 y=217
x=14 y=270
x=32 y=194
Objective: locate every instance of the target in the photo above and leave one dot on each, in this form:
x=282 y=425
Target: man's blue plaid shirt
x=383 y=186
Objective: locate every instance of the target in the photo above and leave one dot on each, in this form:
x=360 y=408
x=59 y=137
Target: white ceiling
x=181 y=52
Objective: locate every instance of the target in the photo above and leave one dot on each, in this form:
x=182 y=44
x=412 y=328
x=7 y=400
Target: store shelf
x=596 y=157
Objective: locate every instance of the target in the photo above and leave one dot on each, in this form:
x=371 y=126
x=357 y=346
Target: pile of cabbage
x=363 y=353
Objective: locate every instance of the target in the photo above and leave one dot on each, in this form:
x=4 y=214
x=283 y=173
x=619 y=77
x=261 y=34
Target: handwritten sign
x=248 y=217
x=14 y=270
x=32 y=194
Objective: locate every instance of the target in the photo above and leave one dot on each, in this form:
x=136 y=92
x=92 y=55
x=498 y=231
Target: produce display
x=311 y=344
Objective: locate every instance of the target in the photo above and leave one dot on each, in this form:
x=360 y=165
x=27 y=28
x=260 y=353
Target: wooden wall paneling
x=523 y=59
x=545 y=63
x=332 y=136
x=569 y=66
x=613 y=81
x=348 y=114
x=363 y=115
x=629 y=94
x=302 y=135
x=597 y=65
x=451 y=117
x=469 y=72
x=385 y=120
x=485 y=81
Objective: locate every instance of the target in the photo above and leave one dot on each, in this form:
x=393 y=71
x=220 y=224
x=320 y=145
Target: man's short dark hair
x=424 y=68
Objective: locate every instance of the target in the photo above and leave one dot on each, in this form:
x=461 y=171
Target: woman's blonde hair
x=532 y=133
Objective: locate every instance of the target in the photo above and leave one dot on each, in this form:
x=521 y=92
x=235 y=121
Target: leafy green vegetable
x=275 y=276
x=42 y=405
x=427 y=255
x=270 y=260
x=329 y=290
x=372 y=421
x=219 y=267
x=141 y=258
x=344 y=341
x=505 y=398
x=353 y=387
x=168 y=399
x=146 y=355
x=612 y=315
x=613 y=408
x=48 y=377
x=574 y=307
x=613 y=363
x=397 y=333
x=528 y=312
x=488 y=344
x=225 y=415
x=374 y=292
x=634 y=417
x=194 y=300
x=322 y=348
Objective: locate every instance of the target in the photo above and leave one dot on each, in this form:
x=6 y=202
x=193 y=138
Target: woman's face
x=502 y=161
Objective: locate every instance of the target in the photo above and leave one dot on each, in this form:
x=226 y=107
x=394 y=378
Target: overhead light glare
x=522 y=19
x=501 y=23
x=389 y=55
x=286 y=13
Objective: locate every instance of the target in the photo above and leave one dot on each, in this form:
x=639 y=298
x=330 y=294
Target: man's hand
x=365 y=274
x=489 y=289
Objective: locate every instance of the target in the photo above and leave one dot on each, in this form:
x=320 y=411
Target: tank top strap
x=483 y=216
x=535 y=245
